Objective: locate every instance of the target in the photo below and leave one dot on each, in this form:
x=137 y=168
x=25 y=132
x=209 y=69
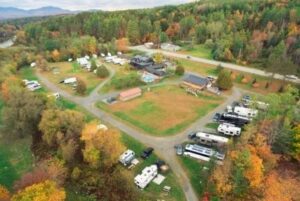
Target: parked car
x=179 y=149
x=216 y=117
x=291 y=77
x=192 y=135
x=188 y=57
x=246 y=98
x=111 y=100
x=147 y=152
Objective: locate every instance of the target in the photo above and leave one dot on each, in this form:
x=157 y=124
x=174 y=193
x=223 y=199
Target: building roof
x=155 y=72
x=196 y=80
x=130 y=92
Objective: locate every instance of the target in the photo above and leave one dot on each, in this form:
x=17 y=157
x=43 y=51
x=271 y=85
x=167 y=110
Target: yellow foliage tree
x=8 y=85
x=158 y=58
x=46 y=191
x=296 y=143
x=55 y=54
x=4 y=194
x=107 y=142
x=254 y=173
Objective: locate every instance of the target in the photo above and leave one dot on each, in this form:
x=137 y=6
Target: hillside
x=12 y=13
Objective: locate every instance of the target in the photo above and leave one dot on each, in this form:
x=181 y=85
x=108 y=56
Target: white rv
x=200 y=157
x=127 y=157
x=203 y=151
x=229 y=129
x=71 y=80
x=210 y=139
x=84 y=62
x=243 y=111
x=147 y=175
x=109 y=59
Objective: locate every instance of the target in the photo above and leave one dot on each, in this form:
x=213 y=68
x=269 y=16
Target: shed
x=130 y=94
x=195 y=82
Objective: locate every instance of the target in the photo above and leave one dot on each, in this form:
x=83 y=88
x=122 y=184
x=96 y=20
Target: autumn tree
x=10 y=84
x=296 y=142
x=122 y=44
x=22 y=113
x=158 y=58
x=42 y=63
x=45 y=191
x=4 y=194
x=179 y=70
x=55 y=54
x=224 y=80
x=102 y=71
x=101 y=146
x=81 y=87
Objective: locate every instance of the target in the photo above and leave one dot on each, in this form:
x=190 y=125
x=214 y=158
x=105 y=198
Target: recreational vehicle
x=229 y=129
x=147 y=175
x=204 y=151
x=210 y=139
x=233 y=119
x=71 y=80
x=242 y=111
x=127 y=157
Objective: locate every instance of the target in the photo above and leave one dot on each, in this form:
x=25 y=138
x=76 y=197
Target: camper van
x=210 y=139
x=243 y=111
x=147 y=175
x=127 y=157
x=71 y=80
x=203 y=151
x=233 y=118
x=229 y=129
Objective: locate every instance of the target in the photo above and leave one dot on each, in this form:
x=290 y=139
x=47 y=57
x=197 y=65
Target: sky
x=89 y=4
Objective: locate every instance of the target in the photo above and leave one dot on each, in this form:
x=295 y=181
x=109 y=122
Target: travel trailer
x=210 y=139
x=127 y=157
x=243 y=111
x=229 y=129
x=71 y=80
x=147 y=175
x=233 y=119
x=203 y=151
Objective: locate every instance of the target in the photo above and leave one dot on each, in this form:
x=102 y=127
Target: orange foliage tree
x=122 y=44
x=55 y=54
x=4 y=194
x=11 y=83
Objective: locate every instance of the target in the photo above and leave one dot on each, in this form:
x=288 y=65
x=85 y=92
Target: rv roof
x=211 y=136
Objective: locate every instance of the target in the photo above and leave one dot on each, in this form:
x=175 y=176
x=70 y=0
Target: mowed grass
x=153 y=190
x=67 y=70
x=164 y=110
x=15 y=159
x=197 y=51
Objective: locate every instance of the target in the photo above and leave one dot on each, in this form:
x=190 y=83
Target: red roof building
x=130 y=94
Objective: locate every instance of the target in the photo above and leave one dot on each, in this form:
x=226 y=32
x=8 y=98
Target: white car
x=291 y=77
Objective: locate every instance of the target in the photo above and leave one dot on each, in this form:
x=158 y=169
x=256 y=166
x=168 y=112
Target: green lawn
x=158 y=114
x=153 y=189
x=15 y=159
x=212 y=125
x=197 y=51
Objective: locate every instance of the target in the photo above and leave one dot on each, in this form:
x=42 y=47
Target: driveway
x=213 y=62
x=164 y=146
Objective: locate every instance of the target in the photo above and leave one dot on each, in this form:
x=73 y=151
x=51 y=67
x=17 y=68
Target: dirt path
x=164 y=146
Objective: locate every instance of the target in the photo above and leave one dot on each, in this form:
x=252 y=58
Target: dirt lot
x=164 y=110
x=66 y=70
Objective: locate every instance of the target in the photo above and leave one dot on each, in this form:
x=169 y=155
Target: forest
x=264 y=33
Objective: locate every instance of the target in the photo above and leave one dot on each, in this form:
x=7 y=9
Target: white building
x=147 y=175
x=149 y=45
x=71 y=80
x=203 y=151
x=169 y=47
x=84 y=62
x=229 y=129
x=127 y=157
x=32 y=85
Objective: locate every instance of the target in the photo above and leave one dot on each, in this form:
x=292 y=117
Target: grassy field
x=197 y=51
x=157 y=112
x=66 y=70
x=15 y=159
x=153 y=190
x=212 y=125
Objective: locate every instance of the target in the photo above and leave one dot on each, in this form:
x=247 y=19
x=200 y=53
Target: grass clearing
x=66 y=70
x=15 y=159
x=157 y=112
x=212 y=125
x=197 y=51
x=176 y=193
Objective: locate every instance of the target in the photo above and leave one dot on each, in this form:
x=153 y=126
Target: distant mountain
x=11 y=12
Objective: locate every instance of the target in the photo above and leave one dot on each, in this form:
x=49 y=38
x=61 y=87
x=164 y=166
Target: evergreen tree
x=224 y=81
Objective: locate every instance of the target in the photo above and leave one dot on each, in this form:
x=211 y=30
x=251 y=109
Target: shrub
x=224 y=80
x=130 y=80
x=102 y=72
x=80 y=87
x=179 y=70
x=93 y=65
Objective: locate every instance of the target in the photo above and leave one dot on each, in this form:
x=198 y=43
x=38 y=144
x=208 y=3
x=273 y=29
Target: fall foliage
x=4 y=194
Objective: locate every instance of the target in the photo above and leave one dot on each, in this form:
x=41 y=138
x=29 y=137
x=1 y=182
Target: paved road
x=213 y=62
x=164 y=146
